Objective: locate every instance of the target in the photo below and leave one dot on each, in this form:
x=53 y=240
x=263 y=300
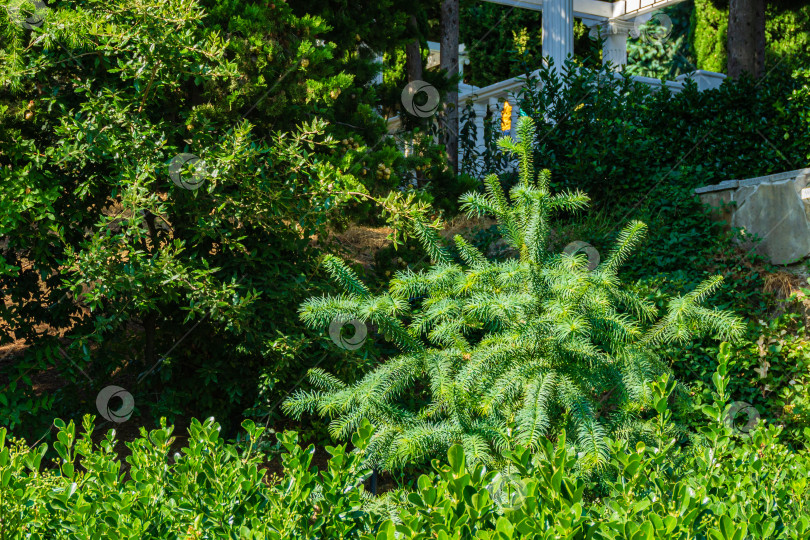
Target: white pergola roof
x=596 y=10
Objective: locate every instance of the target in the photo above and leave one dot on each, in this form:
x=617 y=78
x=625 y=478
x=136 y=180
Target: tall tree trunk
x=448 y=61
x=759 y=51
x=413 y=53
x=746 y=38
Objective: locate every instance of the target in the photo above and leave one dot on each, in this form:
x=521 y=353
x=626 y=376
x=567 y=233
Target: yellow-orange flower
x=506 y=117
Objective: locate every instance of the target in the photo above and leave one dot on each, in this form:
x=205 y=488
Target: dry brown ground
x=359 y=243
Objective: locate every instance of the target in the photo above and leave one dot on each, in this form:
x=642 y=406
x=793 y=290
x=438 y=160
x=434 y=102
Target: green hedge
x=617 y=139
x=620 y=140
x=725 y=486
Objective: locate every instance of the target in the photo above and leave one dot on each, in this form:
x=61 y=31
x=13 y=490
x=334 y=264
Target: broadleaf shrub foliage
x=506 y=352
x=98 y=241
x=727 y=487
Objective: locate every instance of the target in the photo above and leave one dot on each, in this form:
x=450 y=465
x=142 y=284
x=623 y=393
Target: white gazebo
x=614 y=22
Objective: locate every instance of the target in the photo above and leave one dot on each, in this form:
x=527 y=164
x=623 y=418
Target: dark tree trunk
x=746 y=38
x=759 y=52
x=413 y=53
x=449 y=63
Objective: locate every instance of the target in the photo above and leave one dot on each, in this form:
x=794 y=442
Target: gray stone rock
x=771 y=207
x=776 y=214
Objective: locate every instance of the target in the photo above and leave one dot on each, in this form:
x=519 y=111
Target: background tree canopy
x=787 y=33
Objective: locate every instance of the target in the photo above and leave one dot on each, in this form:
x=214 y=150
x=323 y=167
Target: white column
x=615 y=33
x=378 y=78
x=480 y=123
x=463 y=60
x=558 y=30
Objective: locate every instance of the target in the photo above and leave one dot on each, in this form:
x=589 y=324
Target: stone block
x=774 y=208
x=775 y=214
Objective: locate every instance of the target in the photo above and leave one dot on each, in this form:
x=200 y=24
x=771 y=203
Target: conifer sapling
x=509 y=352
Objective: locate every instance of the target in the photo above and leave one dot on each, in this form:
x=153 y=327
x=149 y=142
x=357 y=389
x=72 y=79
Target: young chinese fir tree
x=498 y=353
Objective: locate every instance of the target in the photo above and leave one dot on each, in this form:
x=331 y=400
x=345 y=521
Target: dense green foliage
x=710 y=35
x=504 y=42
x=372 y=51
x=133 y=272
x=513 y=40
x=208 y=490
x=662 y=49
x=556 y=398
x=101 y=239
